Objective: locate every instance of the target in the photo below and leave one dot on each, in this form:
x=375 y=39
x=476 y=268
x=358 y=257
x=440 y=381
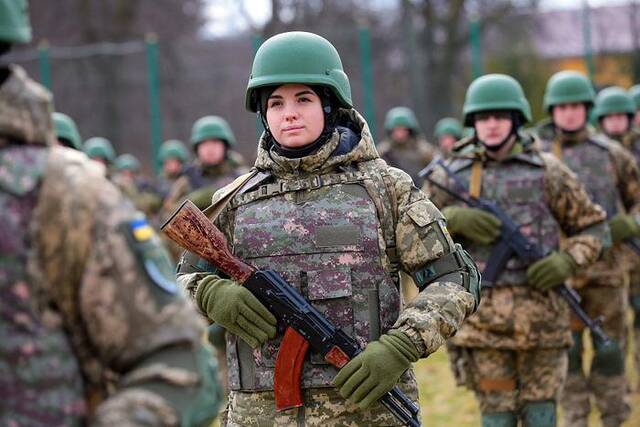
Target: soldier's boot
x=609 y=384
x=539 y=414
x=500 y=419
x=575 y=395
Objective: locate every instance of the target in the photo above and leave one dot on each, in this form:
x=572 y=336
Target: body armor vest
x=40 y=380
x=517 y=187
x=322 y=235
x=200 y=177
x=591 y=161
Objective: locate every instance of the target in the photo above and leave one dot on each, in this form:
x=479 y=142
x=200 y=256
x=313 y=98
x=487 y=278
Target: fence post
x=151 y=43
x=586 y=39
x=45 y=64
x=475 y=40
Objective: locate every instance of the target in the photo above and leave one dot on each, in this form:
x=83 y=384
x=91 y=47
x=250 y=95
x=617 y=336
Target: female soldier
x=323 y=210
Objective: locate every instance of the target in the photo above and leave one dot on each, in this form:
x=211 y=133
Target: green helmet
x=98 y=147
x=613 y=100
x=448 y=126
x=635 y=94
x=173 y=149
x=568 y=87
x=298 y=57
x=494 y=92
x=14 y=21
x=66 y=129
x=211 y=127
x=127 y=162
x=401 y=117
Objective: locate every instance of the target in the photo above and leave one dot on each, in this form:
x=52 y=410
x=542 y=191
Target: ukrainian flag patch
x=141 y=230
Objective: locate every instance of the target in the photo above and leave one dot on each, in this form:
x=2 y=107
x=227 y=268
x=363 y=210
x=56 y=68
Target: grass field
x=444 y=405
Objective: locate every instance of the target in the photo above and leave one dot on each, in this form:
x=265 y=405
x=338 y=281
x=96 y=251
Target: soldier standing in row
x=322 y=209
x=635 y=95
x=101 y=150
x=611 y=177
x=66 y=131
x=94 y=330
x=513 y=350
x=141 y=190
x=448 y=130
x=614 y=112
x=405 y=146
x=173 y=158
x=213 y=168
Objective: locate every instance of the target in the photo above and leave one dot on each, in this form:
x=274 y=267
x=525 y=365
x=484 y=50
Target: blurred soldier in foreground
x=448 y=131
x=66 y=131
x=610 y=176
x=512 y=353
x=213 y=168
x=94 y=330
x=405 y=147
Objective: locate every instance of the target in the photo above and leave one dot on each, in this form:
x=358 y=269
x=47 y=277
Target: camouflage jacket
x=611 y=177
x=89 y=314
x=410 y=156
x=418 y=230
x=545 y=199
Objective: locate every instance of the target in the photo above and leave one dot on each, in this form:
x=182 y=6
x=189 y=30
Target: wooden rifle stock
x=193 y=231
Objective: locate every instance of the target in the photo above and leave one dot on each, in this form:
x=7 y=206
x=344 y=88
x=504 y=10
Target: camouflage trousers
x=634 y=300
x=505 y=380
x=610 y=390
x=322 y=407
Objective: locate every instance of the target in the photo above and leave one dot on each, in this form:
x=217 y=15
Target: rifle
x=512 y=242
x=305 y=325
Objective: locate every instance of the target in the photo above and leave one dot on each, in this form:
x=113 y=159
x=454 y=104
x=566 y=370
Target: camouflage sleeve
x=422 y=240
x=580 y=219
x=628 y=177
x=177 y=193
x=118 y=296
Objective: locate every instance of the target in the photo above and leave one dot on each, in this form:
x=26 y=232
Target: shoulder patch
x=152 y=256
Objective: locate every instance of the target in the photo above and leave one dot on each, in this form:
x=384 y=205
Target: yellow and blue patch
x=141 y=230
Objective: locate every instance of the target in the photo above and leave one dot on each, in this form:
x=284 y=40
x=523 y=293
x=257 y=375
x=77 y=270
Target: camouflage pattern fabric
x=420 y=236
x=80 y=305
x=141 y=192
x=513 y=315
x=504 y=380
x=610 y=391
x=612 y=178
x=410 y=156
x=323 y=407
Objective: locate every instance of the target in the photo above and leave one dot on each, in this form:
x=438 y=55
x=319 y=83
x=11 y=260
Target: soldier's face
x=211 y=151
x=446 y=142
x=294 y=115
x=172 y=167
x=493 y=127
x=636 y=119
x=570 y=117
x=615 y=124
x=400 y=134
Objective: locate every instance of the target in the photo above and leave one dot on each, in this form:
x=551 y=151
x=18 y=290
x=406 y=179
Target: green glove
x=622 y=227
x=202 y=197
x=474 y=224
x=551 y=270
x=234 y=308
x=375 y=371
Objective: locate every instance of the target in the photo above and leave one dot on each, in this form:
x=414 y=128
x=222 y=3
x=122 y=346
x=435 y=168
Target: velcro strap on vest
x=496 y=384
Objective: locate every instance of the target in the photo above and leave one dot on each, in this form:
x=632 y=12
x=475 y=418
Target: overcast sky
x=224 y=18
